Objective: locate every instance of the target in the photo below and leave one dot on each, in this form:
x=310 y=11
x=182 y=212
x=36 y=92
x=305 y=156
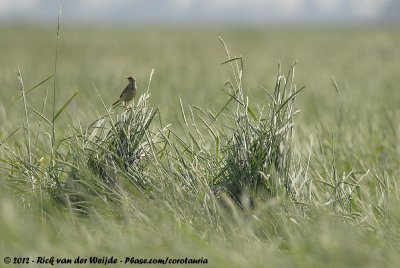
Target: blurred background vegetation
x=363 y=62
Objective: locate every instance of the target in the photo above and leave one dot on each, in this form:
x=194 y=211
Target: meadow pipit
x=129 y=92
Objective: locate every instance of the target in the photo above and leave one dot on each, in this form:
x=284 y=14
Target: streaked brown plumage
x=129 y=92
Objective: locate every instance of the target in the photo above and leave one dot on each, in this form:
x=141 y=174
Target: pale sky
x=197 y=11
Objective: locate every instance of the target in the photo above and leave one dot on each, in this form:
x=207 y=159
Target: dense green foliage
x=236 y=163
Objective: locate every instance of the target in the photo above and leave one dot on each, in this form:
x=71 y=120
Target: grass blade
x=294 y=94
x=335 y=84
x=41 y=115
x=38 y=85
x=9 y=136
x=65 y=105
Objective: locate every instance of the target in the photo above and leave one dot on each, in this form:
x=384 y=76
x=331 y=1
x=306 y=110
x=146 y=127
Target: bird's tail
x=115 y=103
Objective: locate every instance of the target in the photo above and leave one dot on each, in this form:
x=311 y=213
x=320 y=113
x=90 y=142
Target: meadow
x=244 y=158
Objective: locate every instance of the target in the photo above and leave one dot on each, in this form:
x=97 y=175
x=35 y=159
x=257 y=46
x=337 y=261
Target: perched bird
x=129 y=92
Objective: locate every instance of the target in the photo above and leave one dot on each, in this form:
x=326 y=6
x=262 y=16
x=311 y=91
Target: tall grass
x=234 y=152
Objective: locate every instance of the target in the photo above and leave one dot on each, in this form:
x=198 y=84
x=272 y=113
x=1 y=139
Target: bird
x=129 y=92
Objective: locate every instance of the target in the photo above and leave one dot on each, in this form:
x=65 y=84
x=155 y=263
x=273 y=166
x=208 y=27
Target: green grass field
x=223 y=162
